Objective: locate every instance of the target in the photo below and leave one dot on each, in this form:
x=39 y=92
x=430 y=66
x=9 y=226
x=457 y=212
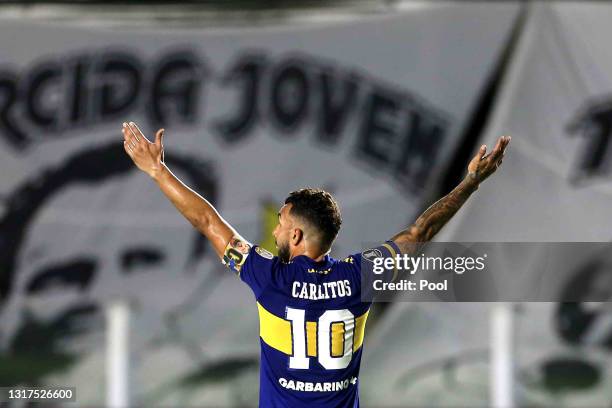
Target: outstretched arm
x=438 y=214
x=149 y=157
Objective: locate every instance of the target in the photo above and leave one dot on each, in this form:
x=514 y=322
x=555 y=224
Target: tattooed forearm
x=435 y=217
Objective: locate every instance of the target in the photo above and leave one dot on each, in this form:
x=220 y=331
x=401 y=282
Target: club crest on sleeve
x=264 y=252
x=371 y=254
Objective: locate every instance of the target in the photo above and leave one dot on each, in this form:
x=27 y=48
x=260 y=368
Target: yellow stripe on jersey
x=276 y=333
x=360 y=323
x=337 y=336
x=311 y=338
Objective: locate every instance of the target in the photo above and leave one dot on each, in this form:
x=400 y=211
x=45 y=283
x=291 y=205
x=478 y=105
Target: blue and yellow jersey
x=312 y=324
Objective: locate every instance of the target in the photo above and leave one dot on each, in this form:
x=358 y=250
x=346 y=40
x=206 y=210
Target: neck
x=313 y=254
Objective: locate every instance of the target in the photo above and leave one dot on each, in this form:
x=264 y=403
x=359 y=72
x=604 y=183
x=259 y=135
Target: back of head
x=320 y=211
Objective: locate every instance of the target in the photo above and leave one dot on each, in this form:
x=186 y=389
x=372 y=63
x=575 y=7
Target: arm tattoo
x=434 y=218
x=235 y=254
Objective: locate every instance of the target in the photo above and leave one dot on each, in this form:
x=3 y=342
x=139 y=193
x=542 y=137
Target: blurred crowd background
x=380 y=102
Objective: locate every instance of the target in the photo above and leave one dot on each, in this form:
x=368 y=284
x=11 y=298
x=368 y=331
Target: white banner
x=554 y=185
x=369 y=109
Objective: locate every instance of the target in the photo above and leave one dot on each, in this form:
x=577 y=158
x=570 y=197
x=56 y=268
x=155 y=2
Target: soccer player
x=311 y=315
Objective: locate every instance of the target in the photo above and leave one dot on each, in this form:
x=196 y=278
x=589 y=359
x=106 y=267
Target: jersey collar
x=303 y=259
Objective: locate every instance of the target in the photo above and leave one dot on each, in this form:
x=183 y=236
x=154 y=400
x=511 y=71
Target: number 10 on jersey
x=299 y=360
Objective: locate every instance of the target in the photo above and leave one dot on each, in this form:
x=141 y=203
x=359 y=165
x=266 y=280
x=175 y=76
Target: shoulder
x=261 y=258
x=263 y=253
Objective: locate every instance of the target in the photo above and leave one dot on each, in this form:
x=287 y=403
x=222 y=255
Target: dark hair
x=318 y=208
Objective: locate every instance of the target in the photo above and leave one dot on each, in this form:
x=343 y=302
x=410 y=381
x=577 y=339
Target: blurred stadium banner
x=370 y=109
x=555 y=185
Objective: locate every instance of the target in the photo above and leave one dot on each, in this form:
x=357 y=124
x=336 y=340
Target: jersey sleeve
x=259 y=269
x=254 y=265
x=371 y=267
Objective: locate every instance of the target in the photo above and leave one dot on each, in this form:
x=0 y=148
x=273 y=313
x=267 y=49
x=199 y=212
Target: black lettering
x=120 y=83
x=247 y=72
x=598 y=140
x=379 y=131
x=338 y=99
x=79 y=92
x=37 y=88
x=422 y=141
x=175 y=88
x=289 y=95
x=8 y=99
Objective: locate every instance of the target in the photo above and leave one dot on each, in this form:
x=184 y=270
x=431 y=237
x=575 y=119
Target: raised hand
x=148 y=156
x=483 y=165
x=437 y=215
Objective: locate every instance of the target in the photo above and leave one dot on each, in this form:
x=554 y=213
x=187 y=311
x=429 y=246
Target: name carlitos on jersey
x=325 y=290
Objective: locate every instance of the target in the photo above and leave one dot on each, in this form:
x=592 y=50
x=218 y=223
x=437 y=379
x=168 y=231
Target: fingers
x=500 y=147
x=128 y=149
x=134 y=136
x=482 y=151
x=479 y=155
x=130 y=137
x=508 y=138
x=127 y=138
x=136 y=130
x=138 y=147
x=136 y=133
x=159 y=138
x=497 y=149
x=505 y=140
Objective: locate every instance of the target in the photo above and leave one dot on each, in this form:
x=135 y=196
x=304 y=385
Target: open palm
x=483 y=165
x=148 y=156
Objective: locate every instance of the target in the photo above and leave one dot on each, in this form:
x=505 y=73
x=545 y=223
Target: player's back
x=312 y=325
